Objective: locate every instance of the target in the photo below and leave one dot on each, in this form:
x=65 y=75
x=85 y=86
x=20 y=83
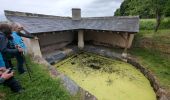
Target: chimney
x=76 y=13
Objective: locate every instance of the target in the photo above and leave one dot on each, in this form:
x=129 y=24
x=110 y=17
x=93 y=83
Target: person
x=16 y=41
x=17 y=32
x=6 y=75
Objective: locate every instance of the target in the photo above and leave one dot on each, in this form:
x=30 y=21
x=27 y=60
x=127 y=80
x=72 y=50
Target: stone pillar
x=130 y=40
x=80 y=39
x=124 y=54
x=35 y=47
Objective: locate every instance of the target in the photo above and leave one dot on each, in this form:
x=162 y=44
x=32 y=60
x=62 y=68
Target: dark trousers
x=13 y=84
x=20 y=62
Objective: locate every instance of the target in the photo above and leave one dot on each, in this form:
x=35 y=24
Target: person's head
x=6 y=29
x=17 y=27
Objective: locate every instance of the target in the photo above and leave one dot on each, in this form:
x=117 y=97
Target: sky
x=89 y=8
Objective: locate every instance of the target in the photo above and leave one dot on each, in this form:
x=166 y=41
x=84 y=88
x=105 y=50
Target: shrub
x=149 y=24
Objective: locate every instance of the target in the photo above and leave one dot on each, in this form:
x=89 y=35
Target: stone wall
x=28 y=44
x=50 y=42
x=107 y=38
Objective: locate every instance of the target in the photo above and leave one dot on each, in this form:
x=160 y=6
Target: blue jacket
x=18 y=40
x=2 y=63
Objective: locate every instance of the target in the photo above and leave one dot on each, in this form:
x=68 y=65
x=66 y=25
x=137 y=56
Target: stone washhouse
x=57 y=32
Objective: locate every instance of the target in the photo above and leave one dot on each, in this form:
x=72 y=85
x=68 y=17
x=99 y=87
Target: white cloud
x=62 y=7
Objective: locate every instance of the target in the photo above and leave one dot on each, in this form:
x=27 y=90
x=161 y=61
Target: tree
x=117 y=12
x=167 y=9
x=135 y=7
x=159 y=7
x=145 y=9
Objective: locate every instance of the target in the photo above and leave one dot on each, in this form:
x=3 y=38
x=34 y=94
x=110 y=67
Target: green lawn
x=155 y=60
x=151 y=33
x=161 y=37
x=43 y=87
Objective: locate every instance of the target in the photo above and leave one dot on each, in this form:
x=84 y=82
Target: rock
x=161 y=92
x=124 y=55
x=163 y=97
x=70 y=85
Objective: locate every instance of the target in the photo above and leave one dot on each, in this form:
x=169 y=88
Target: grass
x=43 y=87
x=151 y=40
x=150 y=33
x=155 y=60
x=161 y=36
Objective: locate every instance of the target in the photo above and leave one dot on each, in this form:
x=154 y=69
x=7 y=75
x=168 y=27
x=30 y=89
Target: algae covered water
x=107 y=79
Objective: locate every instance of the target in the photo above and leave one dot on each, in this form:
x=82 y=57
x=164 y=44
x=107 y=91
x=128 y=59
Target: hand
x=19 y=29
x=36 y=38
x=20 y=49
x=17 y=46
x=7 y=75
x=2 y=69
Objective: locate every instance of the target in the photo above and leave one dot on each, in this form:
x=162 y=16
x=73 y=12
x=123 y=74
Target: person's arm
x=3 y=46
x=11 y=51
x=2 y=79
x=6 y=75
x=25 y=35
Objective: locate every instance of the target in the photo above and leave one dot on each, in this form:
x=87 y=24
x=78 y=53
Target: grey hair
x=15 y=25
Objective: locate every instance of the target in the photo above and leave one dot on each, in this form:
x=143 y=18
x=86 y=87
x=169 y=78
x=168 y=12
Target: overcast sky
x=89 y=8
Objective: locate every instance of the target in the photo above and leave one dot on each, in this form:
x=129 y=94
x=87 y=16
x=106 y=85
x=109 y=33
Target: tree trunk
x=158 y=19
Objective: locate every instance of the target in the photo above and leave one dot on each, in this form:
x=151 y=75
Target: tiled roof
x=36 y=23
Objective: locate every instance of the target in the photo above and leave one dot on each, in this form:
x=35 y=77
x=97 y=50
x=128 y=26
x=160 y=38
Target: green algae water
x=107 y=79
